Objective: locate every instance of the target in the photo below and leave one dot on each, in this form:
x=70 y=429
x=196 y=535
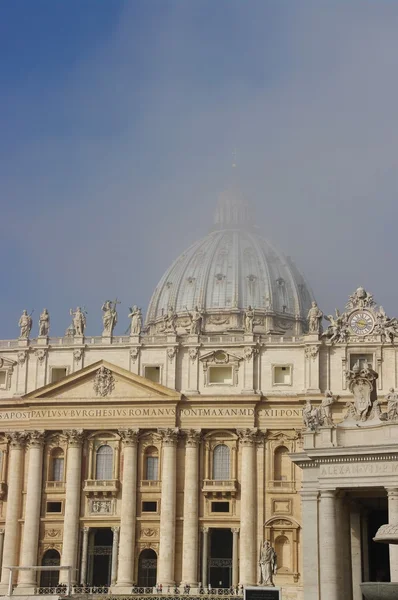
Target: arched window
x=221 y=462
x=48 y=579
x=104 y=463
x=151 y=467
x=282 y=549
x=282 y=464
x=57 y=465
x=147 y=568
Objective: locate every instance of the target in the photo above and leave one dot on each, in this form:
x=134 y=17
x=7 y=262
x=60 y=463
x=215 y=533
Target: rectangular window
x=220 y=507
x=58 y=469
x=282 y=375
x=149 y=507
x=54 y=507
x=153 y=373
x=152 y=468
x=220 y=375
x=58 y=373
x=3 y=379
x=363 y=359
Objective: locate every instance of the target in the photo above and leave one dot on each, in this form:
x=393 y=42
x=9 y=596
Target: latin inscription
x=361 y=469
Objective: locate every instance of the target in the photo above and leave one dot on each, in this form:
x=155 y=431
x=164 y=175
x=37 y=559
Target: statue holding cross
x=109 y=318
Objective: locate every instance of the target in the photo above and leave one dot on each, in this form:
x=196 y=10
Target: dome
x=227 y=271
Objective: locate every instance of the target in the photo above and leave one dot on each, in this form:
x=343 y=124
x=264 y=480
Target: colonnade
x=244 y=565
x=335 y=544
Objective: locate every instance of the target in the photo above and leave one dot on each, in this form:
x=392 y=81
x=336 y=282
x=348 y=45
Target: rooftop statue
x=319 y=416
x=392 y=405
x=360 y=299
x=135 y=315
x=268 y=564
x=337 y=331
x=196 y=318
x=249 y=319
x=25 y=324
x=169 y=320
x=314 y=317
x=385 y=326
x=78 y=321
x=44 y=323
x=109 y=318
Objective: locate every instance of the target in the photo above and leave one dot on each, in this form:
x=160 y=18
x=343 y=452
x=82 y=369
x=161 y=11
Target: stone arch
x=51 y=558
x=147 y=568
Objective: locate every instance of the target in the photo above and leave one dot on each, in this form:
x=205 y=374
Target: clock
x=361 y=322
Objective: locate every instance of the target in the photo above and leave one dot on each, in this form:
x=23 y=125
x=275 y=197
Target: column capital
x=74 y=436
x=205 y=529
x=308 y=495
x=328 y=494
x=129 y=436
x=17 y=439
x=85 y=530
x=193 y=437
x=115 y=529
x=235 y=529
x=169 y=436
x=35 y=439
x=248 y=437
x=392 y=492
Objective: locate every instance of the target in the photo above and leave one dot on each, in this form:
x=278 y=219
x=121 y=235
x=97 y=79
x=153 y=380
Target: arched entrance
x=51 y=558
x=220 y=563
x=147 y=568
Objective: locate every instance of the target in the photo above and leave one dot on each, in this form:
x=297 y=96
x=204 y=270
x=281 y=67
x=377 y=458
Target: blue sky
x=118 y=120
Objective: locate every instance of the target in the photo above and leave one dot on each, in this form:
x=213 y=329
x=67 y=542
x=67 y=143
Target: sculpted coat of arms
x=104 y=382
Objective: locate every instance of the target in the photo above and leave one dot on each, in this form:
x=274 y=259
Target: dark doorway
x=147 y=568
x=100 y=555
x=220 y=564
x=48 y=579
x=379 y=557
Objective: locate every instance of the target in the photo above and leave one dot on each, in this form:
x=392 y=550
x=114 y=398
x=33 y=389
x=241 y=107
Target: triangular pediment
x=103 y=381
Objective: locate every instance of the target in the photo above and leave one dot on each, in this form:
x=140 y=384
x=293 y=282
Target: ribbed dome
x=231 y=268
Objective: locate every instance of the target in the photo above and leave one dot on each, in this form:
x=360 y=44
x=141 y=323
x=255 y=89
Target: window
x=151 y=464
x=220 y=375
x=221 y=462
x=153 y=373
x=147 y=568
x=3 y=379
x=220 y=507
x=104 y=463
x=48 y=579
x=363 y=359
x=282 y=464
x=57 y=465
x=282 y=375
x=54 y=507
x=58 y=373
x=149 y=507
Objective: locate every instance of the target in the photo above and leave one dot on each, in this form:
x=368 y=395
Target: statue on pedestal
x=392 y=406
x=169 y=320
x=78 y=321
x=249 y=319
x=268 y=565
x=325 y=411
x=25 y=325
x=44 y=323
x=315 y=316
x=135 y=315
x=109 y=318
x=196 y=318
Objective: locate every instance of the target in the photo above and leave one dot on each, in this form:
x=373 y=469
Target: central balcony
x=101 y=487
x=220 y=488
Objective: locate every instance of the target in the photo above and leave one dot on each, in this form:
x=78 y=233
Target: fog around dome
x=230 y=269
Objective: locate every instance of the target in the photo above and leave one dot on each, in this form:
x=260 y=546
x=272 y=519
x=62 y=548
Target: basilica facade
x=168 y=456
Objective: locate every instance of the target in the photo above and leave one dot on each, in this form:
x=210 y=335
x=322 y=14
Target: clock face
x=361 y=322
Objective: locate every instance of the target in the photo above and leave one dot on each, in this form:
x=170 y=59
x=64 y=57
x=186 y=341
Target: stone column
x=393 y=520
x=310 y=541
x=329 y=576
x=356 y=555
x=1 y=546
x=72 y=504
x=168 y=508
x=115 y=551
x=344 y=546
x=30 y=540
x=235 y=556
x=190 y=536
x=125 y=575
x=247 y=571
x=83 y=565
x=205 y=555
x=12 y=532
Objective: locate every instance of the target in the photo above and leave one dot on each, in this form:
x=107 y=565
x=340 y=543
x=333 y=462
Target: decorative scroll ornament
x=361 y=383
x=249 y=352
x=311 y=352
x=78 y=354
x=104 y=382
x=193 y=353
x=193 y=437
x=248 y=437
x=17 y=438
x=171 y=352
x=74 y=436
x=35 y=439
x=147 y=532
x=22 y=354
x=134 y=353
x=41 y=355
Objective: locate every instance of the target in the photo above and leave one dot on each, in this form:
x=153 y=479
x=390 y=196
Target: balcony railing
x=55 y=486
x=150 y=484
x=154 y=593
x=282 y=484
x=101 y=487
x=217 y=487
